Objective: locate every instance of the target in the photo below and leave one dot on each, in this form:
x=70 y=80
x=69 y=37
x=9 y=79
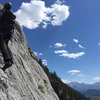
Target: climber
x=7 y=20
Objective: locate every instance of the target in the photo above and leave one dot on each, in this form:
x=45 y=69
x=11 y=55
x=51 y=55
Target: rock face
x=25 y=80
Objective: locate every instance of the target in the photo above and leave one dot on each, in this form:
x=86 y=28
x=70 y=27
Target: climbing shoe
x=7 y=65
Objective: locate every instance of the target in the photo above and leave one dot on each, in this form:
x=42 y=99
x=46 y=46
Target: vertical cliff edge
x=25 y=80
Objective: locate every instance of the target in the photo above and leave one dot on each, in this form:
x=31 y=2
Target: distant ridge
x=82 y=87
x=92 y=92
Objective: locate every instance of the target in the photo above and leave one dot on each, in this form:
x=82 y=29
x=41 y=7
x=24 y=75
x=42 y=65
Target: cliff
x=25 y=80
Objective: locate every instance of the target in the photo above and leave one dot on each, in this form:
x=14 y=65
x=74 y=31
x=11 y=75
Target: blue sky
x=65 y=34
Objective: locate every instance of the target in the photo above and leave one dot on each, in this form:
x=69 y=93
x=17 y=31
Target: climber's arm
x=1 y=13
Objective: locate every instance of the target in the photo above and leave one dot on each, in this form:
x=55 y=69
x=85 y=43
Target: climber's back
x=7 y=18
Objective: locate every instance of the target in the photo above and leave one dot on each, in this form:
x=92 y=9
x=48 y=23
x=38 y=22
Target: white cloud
x=73 y=72
x=81 y=75
x=44 y=25
x=58 y=45
x=98 y=43
x=59 y=14
x=65 y=53
x=38 y=54
x=81 y=46
x=96 y=78
x=73 y=55
x=75 y=40
x=60 y=51
x=58 y=2
x=64 y=80
x=44 y=62
x=50 y=46
x=34 y=13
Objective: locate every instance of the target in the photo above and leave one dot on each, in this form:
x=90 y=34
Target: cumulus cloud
x=44 y=25
x=81 y=75
x=96 y=78
x=73 y=72
x=75 y=40
x=44 y=62
x=59 y=14
x=72 y=55
x=38 y=54
x=34 y=13
x=58 y=45
x=65 y=53
x=60 y=51
x=98 y=43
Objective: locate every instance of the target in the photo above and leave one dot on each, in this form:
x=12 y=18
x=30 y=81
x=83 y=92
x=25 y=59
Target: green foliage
x=45 y=81
x=41 y=88
x=63 y=91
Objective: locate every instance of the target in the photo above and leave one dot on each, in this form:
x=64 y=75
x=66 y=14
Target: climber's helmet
x=7 y=5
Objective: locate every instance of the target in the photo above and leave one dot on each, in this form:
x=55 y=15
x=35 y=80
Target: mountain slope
x=63 y=91
x=81 y=87
x=92 y=92
x=25 y=80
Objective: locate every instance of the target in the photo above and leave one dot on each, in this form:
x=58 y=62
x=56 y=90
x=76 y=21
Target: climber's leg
x=3 y=48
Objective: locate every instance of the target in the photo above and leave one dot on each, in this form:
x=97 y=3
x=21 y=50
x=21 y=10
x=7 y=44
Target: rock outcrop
x=25 y=80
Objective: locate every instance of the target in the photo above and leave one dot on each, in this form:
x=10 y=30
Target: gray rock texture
x=25 y=80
